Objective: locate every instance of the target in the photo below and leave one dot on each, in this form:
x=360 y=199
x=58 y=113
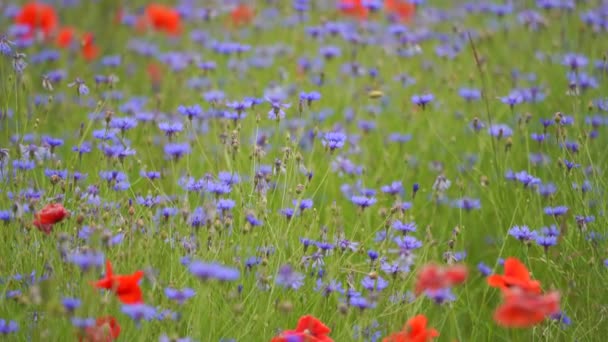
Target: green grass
x=440 y=133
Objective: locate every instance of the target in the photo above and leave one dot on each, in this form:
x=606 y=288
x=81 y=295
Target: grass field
x=195 y=158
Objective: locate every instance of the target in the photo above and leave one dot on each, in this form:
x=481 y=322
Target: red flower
x=415 y=330
x=161 y=18
x=523 y=309
x=354 y=8
x=37 y=16
x=89 y=50
x=126 y=287
x=48 y=216
x=309 y=329
x=106 y=329
x=434 y=277
x=516 y=275
x=403 y=10
x=65 y=37
x=241 y=15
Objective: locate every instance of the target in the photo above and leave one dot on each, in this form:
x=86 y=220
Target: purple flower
x=225 y=204
x=404 y=228
x=500 y=131
x=180 y=296
x=87 y=260
x=422 y=100
x=288 y=278
x=8 y=327
x=484 y=269
x=574 y=61
x=139 y=312
x=171 y=128
x=363 y=201
x=378 y=284
x=467 y=204
x=177 y=150
x=277 y=109
x=514 y=98
x=123 y=123
x=334 y=140
x=190 y=111
x=393 y=189
x=441 y=296
x=470 y=94
x=205 y=271
x=556 y=211
x=407 y=244
x=522 y=233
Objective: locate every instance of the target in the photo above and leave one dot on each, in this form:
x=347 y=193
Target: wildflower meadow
x=303 y=170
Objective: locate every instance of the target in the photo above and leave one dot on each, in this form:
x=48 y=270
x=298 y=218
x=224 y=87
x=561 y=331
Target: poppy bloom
x=402 y=10
x=161 y=18
x=434 y=277
x=415 y=330
x=126 y=287
x=106 y=329
x=353 y=8
x=37 y=16
x=516 y=275
x=89 y=50
x=48 y=216
x=154 y=72
x=309 y=328
x=522 y=309
x=65 y=37
x=241 y=15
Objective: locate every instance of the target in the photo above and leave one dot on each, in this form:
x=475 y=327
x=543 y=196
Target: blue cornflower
x=87 y=260
x=394 y=188
x=422 y=100
x=206 y=271
x=334 y=140
x=441 y=296
x=500 y=131
x=180 y=296
x=546 y=241
x=139 y=312
x=523 y=233
x=5 y=216
x=556 y=211
x=303 y=204
x=484 y=269
x=527 y=179
x=8 y=327
x=404 y=228
x=123 y=123
x=71 y=304
x=467 y=203
x=575 y=61
x=171 y=128
x=225 y=204
x=470 y=94
x=277 y=109
x=514 y=98
x=177 y=150
x=288 y=278
x=376 y=283
x=82 y=323
x=310 y=97
x=190 y=111
x=363 y=201
x=407 y=244
x=6 y=46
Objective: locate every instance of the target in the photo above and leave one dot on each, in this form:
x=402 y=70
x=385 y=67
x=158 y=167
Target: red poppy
x=354 y=8
x=241 y=15
x=65 y=36
x=126 y=287
x=106 y=329
x=48 y=216
x=522 y=309
x=309 y=329
x=434 y=277
x=415 y=330
x=155 y=73
x=516 y=275
x=403 y=10
x=37 y=16
x=89 y=50
x=161 y=18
